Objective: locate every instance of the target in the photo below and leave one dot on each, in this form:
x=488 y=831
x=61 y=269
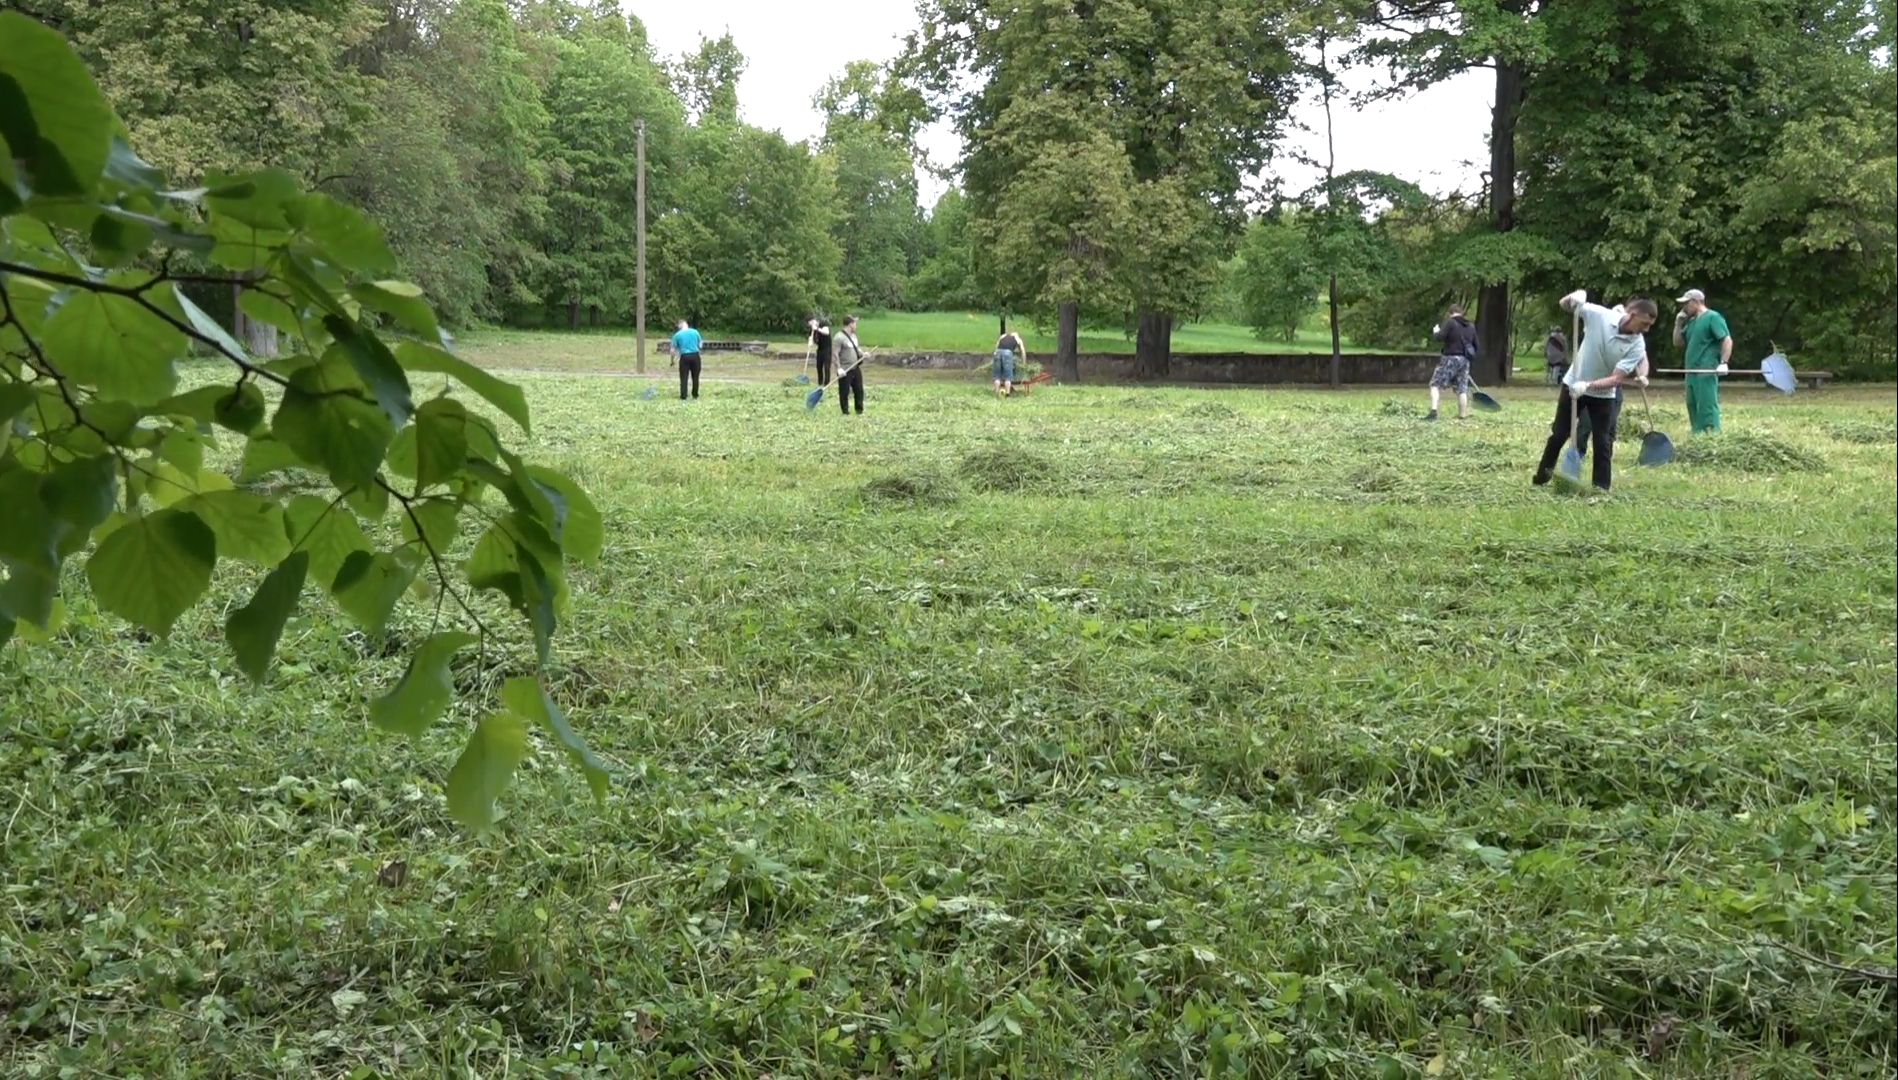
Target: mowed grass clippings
x=1107 y=732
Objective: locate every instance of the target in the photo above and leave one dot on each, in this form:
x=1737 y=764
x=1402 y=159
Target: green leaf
x=329 y=533
x=527 y=699
x=248 y=527
x=266 y=308
x=241 y=409
x=151 y=570
x=81 y=493
x=371 y=502
x=169 y=485
x=264 y=455
x=347 y=236
x=54 y=119
x=402 y=302
x=502 y=563
x=254 y=630
x=425 y=690
x=130 y=172
x=182 y=447
x=199 y=404
x=487 y=763
x=438 y=523
x=237 y=246
x=504 y=396
x=206 y=325
x=375 y=365
x=29 y=595
x=327 y=422
x=583 y=534
x=29 y=534
x=14 y=398
x=369 y=585
x=441 y=442
x=258 y=200
x=112 y=344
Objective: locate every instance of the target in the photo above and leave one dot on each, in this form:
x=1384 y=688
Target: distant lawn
x=945 y=331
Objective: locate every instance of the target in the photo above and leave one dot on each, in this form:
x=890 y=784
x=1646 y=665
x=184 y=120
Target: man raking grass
x=1610 y=352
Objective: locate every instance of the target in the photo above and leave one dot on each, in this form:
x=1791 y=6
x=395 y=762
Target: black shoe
x=1431 y=415
x=1543 y=476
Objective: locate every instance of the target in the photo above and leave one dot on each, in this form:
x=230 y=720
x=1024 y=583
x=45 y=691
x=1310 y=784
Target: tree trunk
x=258 y=337
x=1153 y=345
x=1067 y=344
x=1337 y=362
x=573 y=314
x=1492 y=302
x=593 y=314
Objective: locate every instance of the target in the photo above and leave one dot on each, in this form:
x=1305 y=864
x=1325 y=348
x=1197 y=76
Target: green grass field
x=1106 y=732
x=906 y=331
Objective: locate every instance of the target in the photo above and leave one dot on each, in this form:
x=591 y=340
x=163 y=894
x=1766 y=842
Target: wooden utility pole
x=639 y=249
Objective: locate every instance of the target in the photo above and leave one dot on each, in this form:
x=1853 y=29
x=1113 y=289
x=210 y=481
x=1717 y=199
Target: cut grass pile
x=1236 y=734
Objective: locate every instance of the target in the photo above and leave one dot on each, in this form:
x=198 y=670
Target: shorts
x=1004 y=365
x=1453 y=373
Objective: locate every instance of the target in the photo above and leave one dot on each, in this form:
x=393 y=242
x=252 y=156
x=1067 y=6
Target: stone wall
x=1232 y=369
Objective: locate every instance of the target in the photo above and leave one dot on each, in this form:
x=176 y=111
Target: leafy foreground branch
x=104 y=456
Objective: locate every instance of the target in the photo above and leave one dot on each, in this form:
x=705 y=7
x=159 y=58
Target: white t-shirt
x=1604 y=349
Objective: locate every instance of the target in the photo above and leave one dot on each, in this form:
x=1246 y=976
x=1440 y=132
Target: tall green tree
x=1741 y=146
x=603 y=82
x=1279 y=276
x=208 y=86
x=870 y=154
x=1192 y=93
x=945 y=275
x=1424 y=42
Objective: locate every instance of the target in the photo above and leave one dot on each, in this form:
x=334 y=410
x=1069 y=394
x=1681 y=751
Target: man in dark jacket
x=820 y=342
x=1457 y=337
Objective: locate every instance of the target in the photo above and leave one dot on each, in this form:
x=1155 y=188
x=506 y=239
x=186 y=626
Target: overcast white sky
x=1436 y=139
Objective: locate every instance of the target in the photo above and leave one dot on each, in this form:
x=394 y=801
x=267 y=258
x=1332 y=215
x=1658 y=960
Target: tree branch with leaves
x=104 y=449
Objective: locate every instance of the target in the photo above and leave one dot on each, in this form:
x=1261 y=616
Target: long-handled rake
x=1568 y=472
x=816 y=397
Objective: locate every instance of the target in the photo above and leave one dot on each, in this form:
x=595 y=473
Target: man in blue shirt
x=686 y=345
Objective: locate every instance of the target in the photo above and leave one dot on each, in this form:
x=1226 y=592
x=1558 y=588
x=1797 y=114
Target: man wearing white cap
x=1703 y=333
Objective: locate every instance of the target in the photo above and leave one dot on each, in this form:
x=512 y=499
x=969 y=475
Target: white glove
x=1577 y=389
x=1721 y=370
x=1641 y=381
x=1579 y=296
x=1680 y=317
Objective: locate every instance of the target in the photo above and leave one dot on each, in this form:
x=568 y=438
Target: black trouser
x=1601 y=421
x=689 y=367
x=850 y=382
x=1614 y=422
x=823 y=369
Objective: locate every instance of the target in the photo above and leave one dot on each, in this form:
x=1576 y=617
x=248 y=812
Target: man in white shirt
x=1612 y=353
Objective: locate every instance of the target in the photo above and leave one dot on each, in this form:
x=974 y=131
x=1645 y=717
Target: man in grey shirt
x=1612 y=352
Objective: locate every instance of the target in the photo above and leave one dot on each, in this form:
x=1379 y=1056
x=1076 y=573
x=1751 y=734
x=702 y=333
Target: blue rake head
x=812 y=399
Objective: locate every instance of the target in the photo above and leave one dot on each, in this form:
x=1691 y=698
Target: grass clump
x=1749 y=452
x=1006 y=468
x=1863 y=433
x=913 y=487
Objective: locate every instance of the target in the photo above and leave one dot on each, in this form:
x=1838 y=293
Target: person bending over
x=1610 y=354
